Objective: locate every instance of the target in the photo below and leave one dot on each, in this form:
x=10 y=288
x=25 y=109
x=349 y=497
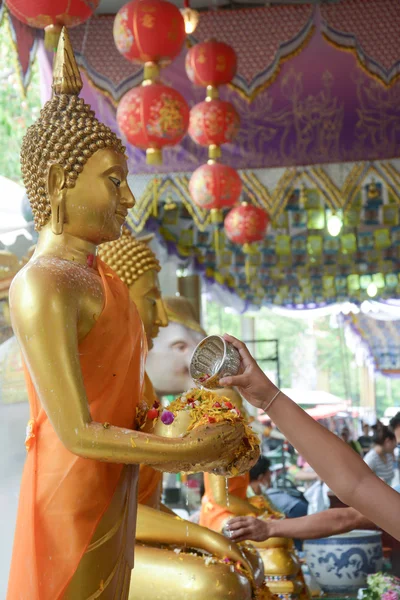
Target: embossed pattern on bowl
x=213 y=359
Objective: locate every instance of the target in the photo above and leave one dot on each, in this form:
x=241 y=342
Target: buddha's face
x=168 y=362
x=96 y=207
x=146 y=294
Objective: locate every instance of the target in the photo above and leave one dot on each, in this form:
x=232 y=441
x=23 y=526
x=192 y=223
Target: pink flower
x=390 y=596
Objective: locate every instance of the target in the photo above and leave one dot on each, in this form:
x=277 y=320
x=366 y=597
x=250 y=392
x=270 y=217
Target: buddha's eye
x=115 y=181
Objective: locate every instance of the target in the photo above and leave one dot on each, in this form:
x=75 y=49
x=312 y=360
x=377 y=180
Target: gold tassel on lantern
x=155 y=197
x=153 y=156
x=212 y=93
x=248 y=250
x=214 y=152
x=151 y=73
x=51 y=36
x=217 y=217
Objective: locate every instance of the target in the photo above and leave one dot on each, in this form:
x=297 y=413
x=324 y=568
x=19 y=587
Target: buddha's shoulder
x=54 y=276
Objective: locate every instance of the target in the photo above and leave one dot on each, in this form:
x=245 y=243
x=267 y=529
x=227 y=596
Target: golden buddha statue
x=84 y=350
x=159 y=532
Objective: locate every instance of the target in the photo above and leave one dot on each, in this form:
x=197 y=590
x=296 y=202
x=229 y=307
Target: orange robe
x=213 y=515
x=150 y=480
x=63 y=497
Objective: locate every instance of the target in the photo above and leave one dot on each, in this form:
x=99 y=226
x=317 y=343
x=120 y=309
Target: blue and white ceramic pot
x=341 y=563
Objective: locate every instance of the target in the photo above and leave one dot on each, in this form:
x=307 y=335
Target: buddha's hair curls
x=66 y=133
x=129 y=257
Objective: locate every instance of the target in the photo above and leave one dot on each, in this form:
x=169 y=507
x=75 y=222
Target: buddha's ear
x=56 y=194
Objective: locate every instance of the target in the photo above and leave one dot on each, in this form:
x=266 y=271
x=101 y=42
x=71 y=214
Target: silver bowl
x=213 y=359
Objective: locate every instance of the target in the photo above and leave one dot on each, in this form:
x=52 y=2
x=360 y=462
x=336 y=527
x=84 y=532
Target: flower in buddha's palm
x=167 y=417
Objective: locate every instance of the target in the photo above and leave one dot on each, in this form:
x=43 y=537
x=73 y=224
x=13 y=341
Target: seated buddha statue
x=84 y=350
x=159 y=533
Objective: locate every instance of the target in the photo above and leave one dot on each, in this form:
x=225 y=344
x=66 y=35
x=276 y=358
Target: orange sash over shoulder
x=63 y=496
x=213 y=515
x=149 y=479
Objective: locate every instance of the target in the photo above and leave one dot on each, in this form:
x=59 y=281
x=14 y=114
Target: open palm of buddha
x=84 y=350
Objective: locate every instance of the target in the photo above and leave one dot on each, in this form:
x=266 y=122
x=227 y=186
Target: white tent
x=312 y=397
x=12 y=223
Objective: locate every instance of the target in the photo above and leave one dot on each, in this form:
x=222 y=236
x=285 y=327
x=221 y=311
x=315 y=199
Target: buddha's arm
x=45 y=320
x=155 y=527
x=237 y=506
x=166 y=510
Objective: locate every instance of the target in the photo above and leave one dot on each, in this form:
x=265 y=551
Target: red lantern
x=215 y=187
x=211 y=63
x=149 y=31
x=212 y=123
x=246 y=224
x=52 y=15
x=151 y=117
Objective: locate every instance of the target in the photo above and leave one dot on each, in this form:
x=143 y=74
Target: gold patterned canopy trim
x=339 y=187
x=299 y=263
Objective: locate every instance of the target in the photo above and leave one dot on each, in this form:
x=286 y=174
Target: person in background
x=291 y=504
x=395 y=427
x=365 y=440
x=346 y=437
x=380 y=458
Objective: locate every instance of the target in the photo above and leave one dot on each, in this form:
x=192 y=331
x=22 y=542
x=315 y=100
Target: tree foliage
x=16 y=112
x=308 y=348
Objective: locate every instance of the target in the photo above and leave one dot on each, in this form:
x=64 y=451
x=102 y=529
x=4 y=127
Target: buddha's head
x=74 y=167
x=168 y=362
x=137 y=266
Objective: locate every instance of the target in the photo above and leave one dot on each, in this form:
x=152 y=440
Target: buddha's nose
x=127 y=198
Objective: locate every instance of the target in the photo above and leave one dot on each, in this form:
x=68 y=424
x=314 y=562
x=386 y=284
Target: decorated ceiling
x=317 y=85
x=314 y=84
x=299 y=264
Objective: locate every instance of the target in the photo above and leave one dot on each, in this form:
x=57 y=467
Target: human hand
x=251 y=382
x=249 y=528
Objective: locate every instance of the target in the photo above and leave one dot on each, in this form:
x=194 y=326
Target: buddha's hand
x=205 y=448
x=251 y=382
x=244 y=460
x=218 y=545
x=249 y=528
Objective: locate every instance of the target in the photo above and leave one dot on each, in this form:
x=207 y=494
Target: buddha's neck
x=66 y=247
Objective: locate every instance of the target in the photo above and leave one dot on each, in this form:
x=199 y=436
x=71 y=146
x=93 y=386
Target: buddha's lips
x=122 y=213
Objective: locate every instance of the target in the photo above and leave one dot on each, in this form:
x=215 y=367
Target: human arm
x=235 y=505
x=46 y=308
x=336 y=463
x=322 y=524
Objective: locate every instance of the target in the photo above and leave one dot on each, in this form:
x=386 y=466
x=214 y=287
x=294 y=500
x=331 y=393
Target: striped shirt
x=383 y=469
